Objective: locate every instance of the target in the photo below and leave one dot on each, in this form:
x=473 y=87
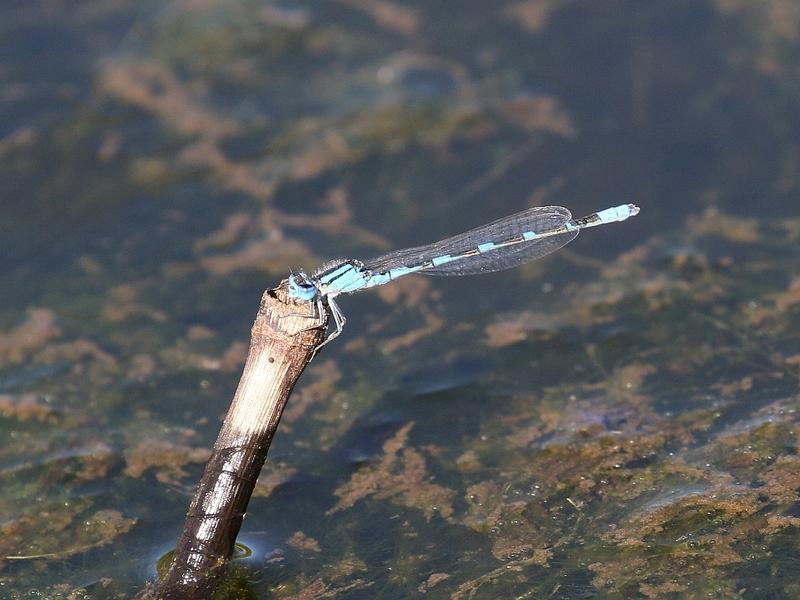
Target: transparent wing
x=539 y=220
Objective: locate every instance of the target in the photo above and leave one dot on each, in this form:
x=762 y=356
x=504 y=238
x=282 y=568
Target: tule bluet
x=502 y=244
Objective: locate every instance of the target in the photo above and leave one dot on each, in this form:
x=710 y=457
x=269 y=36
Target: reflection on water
x=617 y=420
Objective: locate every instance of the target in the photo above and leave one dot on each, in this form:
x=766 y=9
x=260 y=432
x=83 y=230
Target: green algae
x=617 y=421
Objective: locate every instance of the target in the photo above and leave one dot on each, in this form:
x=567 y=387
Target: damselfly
x=503 y=244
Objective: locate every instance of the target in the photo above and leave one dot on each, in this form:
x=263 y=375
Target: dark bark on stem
x=282 y=343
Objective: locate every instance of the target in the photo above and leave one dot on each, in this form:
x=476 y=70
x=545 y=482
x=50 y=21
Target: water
x=617 y=420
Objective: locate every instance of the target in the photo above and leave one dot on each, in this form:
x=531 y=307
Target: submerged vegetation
x=619 y=420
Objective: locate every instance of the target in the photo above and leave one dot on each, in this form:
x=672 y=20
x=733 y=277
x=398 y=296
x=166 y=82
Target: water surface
x=618 y=420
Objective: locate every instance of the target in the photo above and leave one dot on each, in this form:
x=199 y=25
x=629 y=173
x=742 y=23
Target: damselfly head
x=301 y=287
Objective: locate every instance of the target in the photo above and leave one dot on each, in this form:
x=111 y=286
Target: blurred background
x=617 y=420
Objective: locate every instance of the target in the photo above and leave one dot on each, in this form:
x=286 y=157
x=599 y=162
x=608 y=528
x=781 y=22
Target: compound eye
x=301 y=288
x=304 y=283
